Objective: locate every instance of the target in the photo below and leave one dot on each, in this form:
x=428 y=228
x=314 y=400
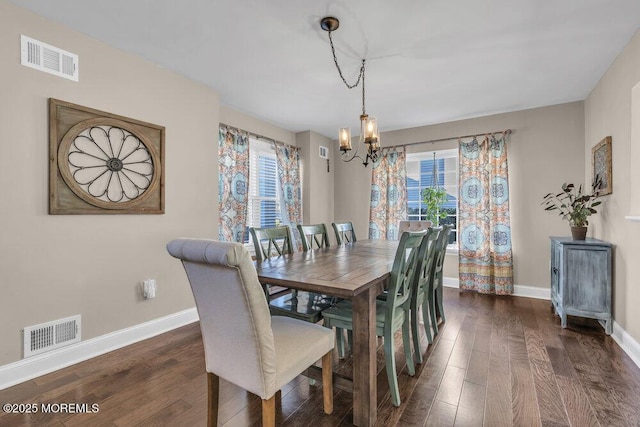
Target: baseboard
x=26 y=369
x=518 y=290
x=626 y=342
x=532 y=292
x=451 y=282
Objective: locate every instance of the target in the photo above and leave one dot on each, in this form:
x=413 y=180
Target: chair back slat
x=344 y=232
x=441 y=247
x=404 y=265
x=310 y=234
x=424 y=273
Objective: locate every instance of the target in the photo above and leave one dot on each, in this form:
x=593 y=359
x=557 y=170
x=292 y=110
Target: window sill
x=453 y=250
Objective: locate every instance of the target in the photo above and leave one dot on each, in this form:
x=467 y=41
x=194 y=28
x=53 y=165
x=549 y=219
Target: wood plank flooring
x=497 y=361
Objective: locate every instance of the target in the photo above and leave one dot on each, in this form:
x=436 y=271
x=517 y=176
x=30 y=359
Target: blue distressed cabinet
x=581 y=279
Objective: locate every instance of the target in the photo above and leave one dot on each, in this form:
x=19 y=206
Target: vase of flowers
x=575 y=206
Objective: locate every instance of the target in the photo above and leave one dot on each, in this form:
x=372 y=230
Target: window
x=420 y=168
x=264 y=194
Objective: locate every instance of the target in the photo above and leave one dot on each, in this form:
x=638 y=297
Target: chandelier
x=368 y=125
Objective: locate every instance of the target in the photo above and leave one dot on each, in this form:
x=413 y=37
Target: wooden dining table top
x=342 y=271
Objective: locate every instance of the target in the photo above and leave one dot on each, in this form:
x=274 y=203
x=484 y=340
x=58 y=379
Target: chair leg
x=390 y=358
x=327 y=382
x=415 y=332
x=269 y=411
x=406 y=345
x=440 y=300
x=213 y=392
x=340 y=342
x=425 y=319
x=432 y=311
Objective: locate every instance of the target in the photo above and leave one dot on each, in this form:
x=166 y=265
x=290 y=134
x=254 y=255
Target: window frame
x=257 y=150
x=452 y=184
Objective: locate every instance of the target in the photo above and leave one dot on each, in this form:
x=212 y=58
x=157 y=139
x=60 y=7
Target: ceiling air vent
x=51 y=335
x=47 y=58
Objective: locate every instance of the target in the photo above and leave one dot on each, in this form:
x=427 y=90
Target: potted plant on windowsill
x=575 y=206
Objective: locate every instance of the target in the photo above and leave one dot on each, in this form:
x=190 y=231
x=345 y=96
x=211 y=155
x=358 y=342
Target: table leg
x=364 y=359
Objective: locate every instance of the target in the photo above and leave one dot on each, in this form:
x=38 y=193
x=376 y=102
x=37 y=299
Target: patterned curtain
x=233 y=179
x=486 y=262
x=388 y=195
x=291 y=193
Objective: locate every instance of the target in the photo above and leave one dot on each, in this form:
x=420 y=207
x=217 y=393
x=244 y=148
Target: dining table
x=356 y=271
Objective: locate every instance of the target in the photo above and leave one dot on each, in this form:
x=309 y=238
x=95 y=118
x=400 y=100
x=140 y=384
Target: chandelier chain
x=360 y=75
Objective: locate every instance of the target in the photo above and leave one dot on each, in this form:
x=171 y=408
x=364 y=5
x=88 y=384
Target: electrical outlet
x=149 y=288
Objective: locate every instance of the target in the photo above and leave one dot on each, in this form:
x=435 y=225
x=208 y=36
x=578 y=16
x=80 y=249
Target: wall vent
x=51 y=335
x=47 y=58
x=324 y=152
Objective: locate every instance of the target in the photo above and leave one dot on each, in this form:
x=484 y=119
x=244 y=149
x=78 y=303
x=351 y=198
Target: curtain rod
x=431 y=141
x=255 y=135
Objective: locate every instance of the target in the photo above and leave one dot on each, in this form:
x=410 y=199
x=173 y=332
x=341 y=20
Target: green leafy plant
x=433 y=198
x=574 y=205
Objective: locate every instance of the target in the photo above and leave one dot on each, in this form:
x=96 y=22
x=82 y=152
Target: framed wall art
x=601 y=161
x=101 y=163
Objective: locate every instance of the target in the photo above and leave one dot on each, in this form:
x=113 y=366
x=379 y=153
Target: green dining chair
x=271 y=241
x=313 y=236
x=344 y=232
x=393 y=313
x=300 y=305
x=420 y=297
x=436 y=291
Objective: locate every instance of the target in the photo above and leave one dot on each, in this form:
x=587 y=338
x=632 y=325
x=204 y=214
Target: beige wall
x=608 y=113
x=544 y=152
x=53 y=266
x=247 y=123
x=317 y=181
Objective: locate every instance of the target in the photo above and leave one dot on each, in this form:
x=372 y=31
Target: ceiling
x=428 y=61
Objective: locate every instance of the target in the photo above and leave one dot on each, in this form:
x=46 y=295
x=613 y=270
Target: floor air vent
x=47 y=58
x=51 y=335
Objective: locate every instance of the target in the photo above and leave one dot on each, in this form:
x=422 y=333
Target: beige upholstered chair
x=413 y=226
x=243 y=344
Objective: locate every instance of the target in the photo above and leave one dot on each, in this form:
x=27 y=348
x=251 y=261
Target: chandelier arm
x=347 y=160
x=335 y=61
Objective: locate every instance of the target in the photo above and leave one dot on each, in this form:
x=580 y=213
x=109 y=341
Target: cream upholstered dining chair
x=413 y=225
x=243 y=344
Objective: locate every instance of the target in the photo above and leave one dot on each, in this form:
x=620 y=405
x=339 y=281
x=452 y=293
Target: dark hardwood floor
x=497 y=361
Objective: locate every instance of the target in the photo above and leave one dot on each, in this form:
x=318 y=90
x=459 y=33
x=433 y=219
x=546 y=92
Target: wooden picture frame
x=601 y=162
x=102 y=163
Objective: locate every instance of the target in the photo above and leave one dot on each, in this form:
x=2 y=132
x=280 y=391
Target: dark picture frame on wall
x=601 y=161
